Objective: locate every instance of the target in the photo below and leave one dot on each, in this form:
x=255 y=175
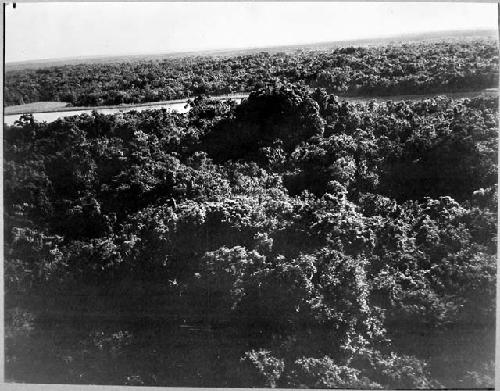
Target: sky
x=60 y=30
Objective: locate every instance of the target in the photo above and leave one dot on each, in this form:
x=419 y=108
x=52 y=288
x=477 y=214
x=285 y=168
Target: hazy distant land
x=449 y=34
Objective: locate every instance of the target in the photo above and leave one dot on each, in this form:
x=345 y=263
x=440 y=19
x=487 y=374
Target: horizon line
x=241 y=48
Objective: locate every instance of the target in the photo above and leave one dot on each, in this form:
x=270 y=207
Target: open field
x=35 y=107
x=61 y=107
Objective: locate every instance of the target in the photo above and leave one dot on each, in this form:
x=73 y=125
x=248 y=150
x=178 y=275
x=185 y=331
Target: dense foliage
x=413 y=68
x=311 y=243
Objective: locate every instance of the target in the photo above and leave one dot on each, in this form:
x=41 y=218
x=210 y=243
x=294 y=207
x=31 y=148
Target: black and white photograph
x=250 y=194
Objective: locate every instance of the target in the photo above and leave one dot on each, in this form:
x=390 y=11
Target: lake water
x=179 y=107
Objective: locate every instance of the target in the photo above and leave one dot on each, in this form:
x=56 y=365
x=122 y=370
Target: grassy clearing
x=52 y=107
x=35 y=107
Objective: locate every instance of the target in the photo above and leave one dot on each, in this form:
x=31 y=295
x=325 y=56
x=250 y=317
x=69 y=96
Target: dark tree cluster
x=412 y=68
x=310 y=241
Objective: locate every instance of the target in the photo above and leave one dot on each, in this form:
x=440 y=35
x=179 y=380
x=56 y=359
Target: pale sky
x=58 y=30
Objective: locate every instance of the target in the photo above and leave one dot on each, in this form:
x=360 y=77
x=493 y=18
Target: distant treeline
x=416 y=68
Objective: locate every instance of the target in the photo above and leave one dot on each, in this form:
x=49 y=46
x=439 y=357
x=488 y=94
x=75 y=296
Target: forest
x=410 y=68
x=294 y=240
